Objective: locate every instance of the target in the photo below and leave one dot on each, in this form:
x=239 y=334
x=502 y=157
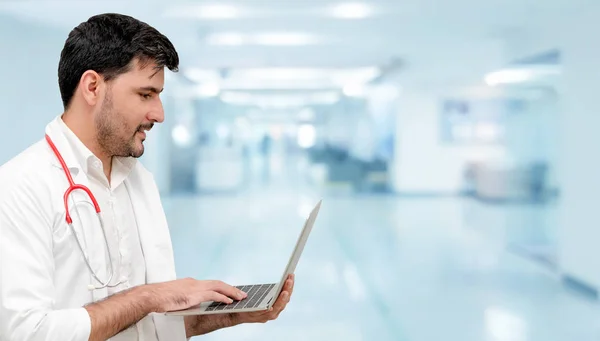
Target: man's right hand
x=186 y=293
x=119 y=311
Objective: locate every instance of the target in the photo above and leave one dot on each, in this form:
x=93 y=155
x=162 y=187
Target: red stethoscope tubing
x=72 y=185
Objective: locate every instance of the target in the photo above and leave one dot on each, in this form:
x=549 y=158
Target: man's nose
x=157 y=114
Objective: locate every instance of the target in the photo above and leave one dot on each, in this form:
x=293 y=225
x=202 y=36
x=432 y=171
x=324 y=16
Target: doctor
x=66 y=272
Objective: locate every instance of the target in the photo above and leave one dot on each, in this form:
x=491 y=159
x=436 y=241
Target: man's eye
x=146 y=96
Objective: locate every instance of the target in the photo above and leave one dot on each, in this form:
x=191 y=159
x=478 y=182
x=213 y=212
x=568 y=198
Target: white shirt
x=44 y=279
x=119 y=222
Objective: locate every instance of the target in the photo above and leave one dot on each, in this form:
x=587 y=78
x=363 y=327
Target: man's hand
x=186 y=293
x=119 y=311
x=271 y=314
x=204 y=324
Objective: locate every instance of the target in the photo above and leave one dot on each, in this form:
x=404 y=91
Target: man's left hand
x=273 y=312
x=203 y=324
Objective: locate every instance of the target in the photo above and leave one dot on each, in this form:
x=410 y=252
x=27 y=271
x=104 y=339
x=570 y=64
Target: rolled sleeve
x=65 y=324
x=27 y=292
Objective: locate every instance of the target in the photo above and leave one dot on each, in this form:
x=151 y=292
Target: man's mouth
x=145 y=128
x=142 y=131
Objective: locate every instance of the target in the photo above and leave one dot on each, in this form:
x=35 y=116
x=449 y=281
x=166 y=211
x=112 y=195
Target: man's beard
x=114 y=137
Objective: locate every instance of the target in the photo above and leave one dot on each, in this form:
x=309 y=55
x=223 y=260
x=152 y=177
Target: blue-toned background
x=453 y=143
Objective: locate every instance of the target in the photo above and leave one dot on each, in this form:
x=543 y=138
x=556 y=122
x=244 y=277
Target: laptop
x=260 y=296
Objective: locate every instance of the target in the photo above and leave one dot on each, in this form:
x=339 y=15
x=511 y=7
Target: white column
x=579 y=171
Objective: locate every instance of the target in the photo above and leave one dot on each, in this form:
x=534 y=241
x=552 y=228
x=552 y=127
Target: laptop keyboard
x=256 y=293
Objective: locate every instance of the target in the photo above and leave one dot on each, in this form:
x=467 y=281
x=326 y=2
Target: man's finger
x=216 y=297
x=289 y=286
x=281 y=301
x=229 y=290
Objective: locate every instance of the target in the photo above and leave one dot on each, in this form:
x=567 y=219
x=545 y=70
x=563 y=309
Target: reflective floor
x=383 y=268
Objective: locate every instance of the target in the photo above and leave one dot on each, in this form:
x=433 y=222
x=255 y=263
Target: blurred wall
x=576 y=138
x=29 y=94
x=532 y=135
x=579 y=237
x=423 y=164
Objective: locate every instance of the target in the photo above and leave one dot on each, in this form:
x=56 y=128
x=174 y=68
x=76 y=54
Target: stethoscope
x=73 y=187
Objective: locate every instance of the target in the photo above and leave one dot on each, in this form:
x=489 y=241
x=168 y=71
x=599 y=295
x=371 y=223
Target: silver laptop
x=260 y=296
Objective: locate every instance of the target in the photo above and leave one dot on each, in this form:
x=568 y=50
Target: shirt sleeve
x=27 y=293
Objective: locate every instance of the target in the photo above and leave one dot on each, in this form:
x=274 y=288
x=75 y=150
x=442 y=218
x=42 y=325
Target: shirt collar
x=84 y=159
x=83 y=156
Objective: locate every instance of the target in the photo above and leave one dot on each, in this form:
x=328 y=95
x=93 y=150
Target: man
x=67 y=273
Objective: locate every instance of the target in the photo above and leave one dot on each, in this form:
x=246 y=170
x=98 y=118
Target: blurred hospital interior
x=453 y=144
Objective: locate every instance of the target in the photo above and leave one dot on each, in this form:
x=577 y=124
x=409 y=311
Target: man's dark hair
x=108 y=43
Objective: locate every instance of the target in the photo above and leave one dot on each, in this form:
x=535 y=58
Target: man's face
x=130 y=107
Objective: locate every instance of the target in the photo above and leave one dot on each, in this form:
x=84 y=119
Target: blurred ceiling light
x=222 y=131
x=219 y=12
x=279 y=78
x=337 y=77
x=279 y=73
x=279 y=101
x=208 y=90
x=275 y=84
x=307 y=136
x=331 y=97
x=201 y=75
x=357 y=75
x=265 y=39
x=236 y=97
x=226 y=39
x=354 y=90
x=181 y=136
x=519 y=75
x=205 y=12
x=508 y=76
x=285 y=39
x=351 y=11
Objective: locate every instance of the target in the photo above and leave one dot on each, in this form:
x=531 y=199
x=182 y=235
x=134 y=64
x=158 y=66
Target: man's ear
x=90 y=86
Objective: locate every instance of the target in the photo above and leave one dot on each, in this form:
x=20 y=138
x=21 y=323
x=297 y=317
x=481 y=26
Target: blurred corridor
x=384 y=268
x=453 y=144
